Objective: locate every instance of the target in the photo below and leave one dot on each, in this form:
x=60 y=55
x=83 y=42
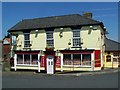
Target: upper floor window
x=49 y=38
x=14 y=39
x=76 y=38
x=26 y=39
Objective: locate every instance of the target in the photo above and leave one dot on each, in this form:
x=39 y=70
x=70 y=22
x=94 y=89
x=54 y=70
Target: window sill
x=26 y=64
x=76 y=47
x=77 y=66
x=26 y=48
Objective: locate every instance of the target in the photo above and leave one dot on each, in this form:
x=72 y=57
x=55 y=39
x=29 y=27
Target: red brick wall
x=6 y=49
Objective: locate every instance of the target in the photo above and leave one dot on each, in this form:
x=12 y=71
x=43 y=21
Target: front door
x=50 y=65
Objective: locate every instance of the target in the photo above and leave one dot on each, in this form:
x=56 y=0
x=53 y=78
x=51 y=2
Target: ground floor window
x=108 y=58
x=86 y=59
x=119 y=60
x=34 y=59
x=20 y=59
x=67 y=59
x=27 y=58
x=116 y=54
x=115 y=59
x=77 y=59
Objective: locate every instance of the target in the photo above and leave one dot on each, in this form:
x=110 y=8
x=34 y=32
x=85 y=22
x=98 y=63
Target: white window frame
x=22 y=58
x=30 y=60
x=71 y=56
x=14 y=39
x=75 y=37
x=49 y=39
x=26 y=46
x=116 y=54
x=29 y=57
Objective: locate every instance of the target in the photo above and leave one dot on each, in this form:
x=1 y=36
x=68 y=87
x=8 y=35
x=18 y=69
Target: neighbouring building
x=6 y=47
x=0 y=51
x=112 y=54
x=58 y=43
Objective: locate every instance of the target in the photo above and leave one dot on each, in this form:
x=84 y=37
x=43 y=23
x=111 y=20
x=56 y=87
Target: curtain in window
x=26 y=59
x=34 y=59
x=86 y=59
x=76 y=59
x=19 y=59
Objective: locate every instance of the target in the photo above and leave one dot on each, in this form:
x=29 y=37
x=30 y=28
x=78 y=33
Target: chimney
x=87 y=14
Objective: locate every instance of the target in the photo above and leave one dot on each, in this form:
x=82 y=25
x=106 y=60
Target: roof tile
x=53 y=21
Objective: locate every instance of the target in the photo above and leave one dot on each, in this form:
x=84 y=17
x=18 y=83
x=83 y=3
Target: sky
x=107 y=12
x=60 y=0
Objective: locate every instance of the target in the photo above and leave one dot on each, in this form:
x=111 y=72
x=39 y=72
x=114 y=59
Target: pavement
x=29 y=79
x=105 y=71
x=65 y=73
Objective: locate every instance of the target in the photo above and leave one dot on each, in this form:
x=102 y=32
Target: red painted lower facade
x=97 y=56
x=47 y=53
x=42 y=61
x=57 y=62
x=57 y=59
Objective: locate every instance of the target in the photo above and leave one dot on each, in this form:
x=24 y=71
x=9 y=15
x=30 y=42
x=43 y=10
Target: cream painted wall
x=20 y=41
x=62 y=43
x=38 y=40
x=92 y=40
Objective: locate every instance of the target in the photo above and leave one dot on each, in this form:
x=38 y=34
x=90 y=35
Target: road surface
x=108 y=80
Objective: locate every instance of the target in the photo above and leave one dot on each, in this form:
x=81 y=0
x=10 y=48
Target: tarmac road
x=108 y=80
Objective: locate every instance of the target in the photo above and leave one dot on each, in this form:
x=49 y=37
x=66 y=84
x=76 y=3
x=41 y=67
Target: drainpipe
x=92 y=61
x=39 y=61
x=61 y=63
x=112 y=61
x=15 y=61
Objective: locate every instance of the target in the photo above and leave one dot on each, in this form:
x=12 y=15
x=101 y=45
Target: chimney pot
x=87 y=14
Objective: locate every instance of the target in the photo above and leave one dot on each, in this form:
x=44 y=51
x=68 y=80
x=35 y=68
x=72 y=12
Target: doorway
x=50 y=64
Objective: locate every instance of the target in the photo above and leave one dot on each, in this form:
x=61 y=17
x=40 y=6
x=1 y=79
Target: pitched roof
x=112 y=45
x=54 y=21
x=6 y=41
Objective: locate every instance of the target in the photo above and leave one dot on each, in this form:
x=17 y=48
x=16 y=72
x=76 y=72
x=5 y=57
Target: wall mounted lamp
x=91 y=27
x=61 y=28
x=36 y=31
x=61 y=32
